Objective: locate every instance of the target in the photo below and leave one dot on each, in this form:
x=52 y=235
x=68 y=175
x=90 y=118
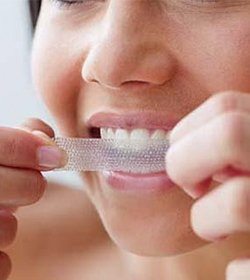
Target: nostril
x=136 y=84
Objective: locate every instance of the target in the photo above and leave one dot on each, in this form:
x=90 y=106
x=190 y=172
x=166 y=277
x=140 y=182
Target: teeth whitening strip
x=133 y=156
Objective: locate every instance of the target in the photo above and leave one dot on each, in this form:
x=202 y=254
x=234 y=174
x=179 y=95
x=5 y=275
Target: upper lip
x=132 y=120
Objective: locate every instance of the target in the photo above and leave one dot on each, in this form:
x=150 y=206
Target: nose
x=129 y=47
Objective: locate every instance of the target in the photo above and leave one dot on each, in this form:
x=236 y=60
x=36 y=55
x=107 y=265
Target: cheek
x=233 y=65
x=218 y=56
x=56 y=77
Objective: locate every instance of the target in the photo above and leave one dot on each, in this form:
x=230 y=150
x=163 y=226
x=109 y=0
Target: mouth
x=130 y=126
x=133 y=126
x=141 y=134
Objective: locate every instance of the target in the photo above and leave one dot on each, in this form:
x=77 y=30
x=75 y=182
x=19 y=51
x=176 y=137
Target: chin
x=156 y=237
x=154 y=224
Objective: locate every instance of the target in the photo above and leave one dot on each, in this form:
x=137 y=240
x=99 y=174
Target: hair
x=34 y=7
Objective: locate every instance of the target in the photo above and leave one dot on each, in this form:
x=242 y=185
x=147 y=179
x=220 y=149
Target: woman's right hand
x=24 y=153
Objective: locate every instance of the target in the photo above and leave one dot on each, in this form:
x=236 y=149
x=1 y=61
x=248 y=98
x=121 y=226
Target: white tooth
x=104 y=133
x=110 y=133
x=142 y=135
x=139 y=133
x=122 y=134
x=159 y=134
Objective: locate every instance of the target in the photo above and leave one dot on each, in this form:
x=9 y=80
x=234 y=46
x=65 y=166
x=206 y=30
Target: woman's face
x=138 y=64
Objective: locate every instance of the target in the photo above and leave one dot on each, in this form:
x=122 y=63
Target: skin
x=192 y=59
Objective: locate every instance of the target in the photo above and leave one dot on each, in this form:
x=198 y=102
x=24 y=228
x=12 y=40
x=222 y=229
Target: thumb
x=38 y=128
x=42 y=130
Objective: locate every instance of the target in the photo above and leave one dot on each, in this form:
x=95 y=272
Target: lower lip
x=138 y=182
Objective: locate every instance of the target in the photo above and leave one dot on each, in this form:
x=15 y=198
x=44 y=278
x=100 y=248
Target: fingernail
x=51 y=157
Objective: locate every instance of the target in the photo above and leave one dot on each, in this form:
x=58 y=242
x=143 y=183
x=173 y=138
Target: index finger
x=22 y=149
x=218 y=104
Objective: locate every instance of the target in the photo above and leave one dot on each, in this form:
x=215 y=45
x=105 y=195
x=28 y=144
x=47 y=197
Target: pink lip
x=137 y=182
x=130 y=120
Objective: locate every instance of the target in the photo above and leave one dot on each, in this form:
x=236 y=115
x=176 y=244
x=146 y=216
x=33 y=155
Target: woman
x=136 y=69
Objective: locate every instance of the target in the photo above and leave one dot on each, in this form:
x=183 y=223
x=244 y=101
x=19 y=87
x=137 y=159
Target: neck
x=208 y=262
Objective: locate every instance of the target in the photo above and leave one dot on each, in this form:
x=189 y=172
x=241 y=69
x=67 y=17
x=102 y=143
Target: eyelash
x=68 y=3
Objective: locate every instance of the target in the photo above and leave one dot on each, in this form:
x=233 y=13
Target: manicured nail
x=51 y=157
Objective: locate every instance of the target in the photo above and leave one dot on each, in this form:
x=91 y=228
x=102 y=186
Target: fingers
x=223 y=211
x=8 y=231
x=7 y=235
x=20 y=187
x=23 y=184
x=222 y=142
x=34 y=124
x=238 y=269
x=5 y=266
x=223 y=102
x=21 y=149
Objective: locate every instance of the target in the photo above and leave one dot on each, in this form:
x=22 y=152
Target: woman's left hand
x=213 y=144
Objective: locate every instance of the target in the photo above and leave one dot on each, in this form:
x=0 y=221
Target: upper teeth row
x=139 y=133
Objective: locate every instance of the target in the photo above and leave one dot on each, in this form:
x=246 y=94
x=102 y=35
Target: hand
x=21 y=182
x=212 y=144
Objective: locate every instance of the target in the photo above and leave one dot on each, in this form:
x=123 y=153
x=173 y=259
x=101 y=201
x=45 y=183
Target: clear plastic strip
x=134 y=156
